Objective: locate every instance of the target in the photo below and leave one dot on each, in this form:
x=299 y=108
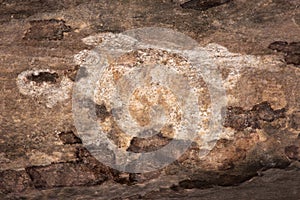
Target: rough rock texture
x=257 y=156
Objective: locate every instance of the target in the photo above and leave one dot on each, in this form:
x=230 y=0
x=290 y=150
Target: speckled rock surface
x=255 y=47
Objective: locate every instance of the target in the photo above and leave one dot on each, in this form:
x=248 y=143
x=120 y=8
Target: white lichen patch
x=46 y=92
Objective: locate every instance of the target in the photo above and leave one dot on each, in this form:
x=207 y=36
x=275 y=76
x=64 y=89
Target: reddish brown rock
x=257 y=136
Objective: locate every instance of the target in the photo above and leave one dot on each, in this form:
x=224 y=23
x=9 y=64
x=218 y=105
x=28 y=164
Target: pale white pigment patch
x=47 y=93
x=222 y=60
x=160 y=72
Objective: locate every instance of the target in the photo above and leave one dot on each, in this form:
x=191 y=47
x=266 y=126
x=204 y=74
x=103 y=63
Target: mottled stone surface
x=255 y=45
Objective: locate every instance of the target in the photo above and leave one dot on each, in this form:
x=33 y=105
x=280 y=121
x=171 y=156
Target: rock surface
x=255 y=47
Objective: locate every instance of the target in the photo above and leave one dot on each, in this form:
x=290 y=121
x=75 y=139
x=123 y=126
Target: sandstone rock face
x=94 y=108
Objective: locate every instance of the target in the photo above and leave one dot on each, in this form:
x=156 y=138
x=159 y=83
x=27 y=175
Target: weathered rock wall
x=254 y=45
